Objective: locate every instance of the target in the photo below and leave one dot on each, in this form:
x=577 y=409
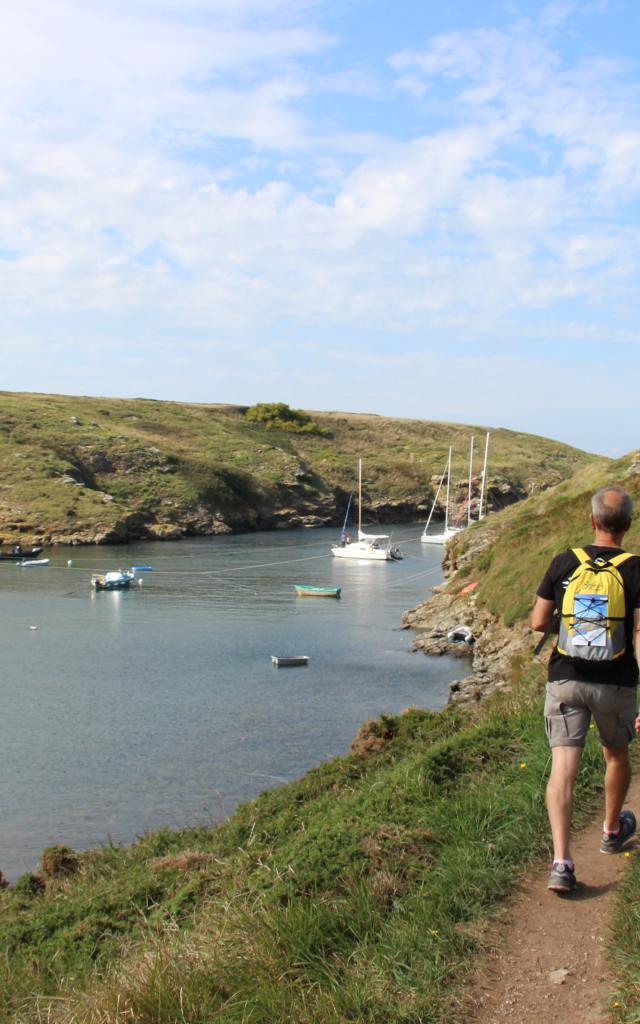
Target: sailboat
x=450 y=531
x=372 y=547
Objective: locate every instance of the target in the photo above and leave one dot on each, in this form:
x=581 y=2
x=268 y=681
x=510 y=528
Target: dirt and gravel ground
x=549 y=961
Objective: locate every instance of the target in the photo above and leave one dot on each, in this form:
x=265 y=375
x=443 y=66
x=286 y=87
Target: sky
x=412 y=209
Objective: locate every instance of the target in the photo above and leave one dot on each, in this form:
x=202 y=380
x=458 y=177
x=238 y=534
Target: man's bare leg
x=616 y=784
x=565 y=762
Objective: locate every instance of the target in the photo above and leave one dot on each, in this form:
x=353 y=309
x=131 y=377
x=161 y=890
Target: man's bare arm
x=542 y=616
x=636 y=640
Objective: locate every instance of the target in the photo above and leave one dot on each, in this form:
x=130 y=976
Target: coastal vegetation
x=358 y=893
x=278 y=416
x=363 y=891
x=508 y=554
x=101 y=470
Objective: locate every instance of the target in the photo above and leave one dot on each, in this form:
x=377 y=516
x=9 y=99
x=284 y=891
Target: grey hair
x=613 y=518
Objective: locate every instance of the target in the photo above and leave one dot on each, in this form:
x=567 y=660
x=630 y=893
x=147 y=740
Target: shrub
x=278 y=416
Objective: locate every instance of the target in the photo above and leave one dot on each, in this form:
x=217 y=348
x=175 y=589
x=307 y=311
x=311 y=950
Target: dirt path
x=550 y=958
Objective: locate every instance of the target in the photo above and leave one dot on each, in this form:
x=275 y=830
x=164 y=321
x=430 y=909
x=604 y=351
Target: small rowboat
x=296 y=659
x=32 y=561
x=302 y=590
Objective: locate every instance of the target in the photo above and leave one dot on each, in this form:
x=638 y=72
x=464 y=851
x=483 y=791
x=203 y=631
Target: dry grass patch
x=188 y=860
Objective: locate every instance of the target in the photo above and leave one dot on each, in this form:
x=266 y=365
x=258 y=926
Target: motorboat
x=20 y=554
x=116 y=579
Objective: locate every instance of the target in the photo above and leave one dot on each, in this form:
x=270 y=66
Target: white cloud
x=190 y=166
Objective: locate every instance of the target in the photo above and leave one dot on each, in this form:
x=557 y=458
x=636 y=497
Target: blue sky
x=415 y=209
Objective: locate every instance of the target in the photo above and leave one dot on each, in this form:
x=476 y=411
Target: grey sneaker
x=562 y=879
x=613 y=844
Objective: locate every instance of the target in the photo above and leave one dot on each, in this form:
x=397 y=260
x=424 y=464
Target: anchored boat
x=19 y=554
x=117 y=579
x=302 y=590
x=370 y=547
x=450 y=531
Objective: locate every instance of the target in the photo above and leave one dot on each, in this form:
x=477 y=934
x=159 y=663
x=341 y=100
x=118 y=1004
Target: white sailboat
x=450 y=531
x=371 y=547
x=484 y=478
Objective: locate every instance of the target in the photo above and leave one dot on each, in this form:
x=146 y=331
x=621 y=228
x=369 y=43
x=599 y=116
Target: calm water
x=159 y=706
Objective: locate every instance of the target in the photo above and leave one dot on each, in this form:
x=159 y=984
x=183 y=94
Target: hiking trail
x=550 y=955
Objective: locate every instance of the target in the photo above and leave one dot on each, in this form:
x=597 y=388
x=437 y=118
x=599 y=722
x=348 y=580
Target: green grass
x=519 y=545
x=624 y=947
x=354 y=894
x=521 y=540
x=81 y=468
x=362 y=891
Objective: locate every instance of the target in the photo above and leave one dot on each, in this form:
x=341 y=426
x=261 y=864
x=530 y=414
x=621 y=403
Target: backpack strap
x=619 y=559
x=583 y=557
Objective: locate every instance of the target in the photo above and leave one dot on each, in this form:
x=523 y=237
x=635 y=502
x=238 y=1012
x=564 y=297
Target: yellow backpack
x=594 y=609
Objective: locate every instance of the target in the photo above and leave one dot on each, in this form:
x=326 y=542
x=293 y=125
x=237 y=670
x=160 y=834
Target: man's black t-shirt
x=621 y=671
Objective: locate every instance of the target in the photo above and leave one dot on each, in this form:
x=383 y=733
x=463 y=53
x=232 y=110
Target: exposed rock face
x=490 y=655
x=164 y=531
x=114 y=495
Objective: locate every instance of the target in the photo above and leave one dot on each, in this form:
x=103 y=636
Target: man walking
x=595 y=594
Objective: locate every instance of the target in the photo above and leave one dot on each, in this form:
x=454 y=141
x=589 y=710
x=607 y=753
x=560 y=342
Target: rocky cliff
x=486 y=659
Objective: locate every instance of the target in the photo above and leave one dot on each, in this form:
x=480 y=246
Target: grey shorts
x=570 y=705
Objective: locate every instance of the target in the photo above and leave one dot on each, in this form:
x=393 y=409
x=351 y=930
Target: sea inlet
x=159 y=706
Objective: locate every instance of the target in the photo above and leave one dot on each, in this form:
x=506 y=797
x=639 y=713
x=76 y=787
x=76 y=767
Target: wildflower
x=627 y=853
x=434 y=931
x=523 y=764
x=592 y=727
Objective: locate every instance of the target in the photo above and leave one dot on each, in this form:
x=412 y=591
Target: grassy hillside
x=510 y=552
x=359 y=893
x=356 y=894
x=100 y=470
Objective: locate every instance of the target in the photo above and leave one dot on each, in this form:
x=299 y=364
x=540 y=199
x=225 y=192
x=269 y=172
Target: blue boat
x=303 y=590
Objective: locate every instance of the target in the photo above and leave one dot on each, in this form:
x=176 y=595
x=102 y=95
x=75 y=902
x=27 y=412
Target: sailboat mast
x=470 y=477
x=446 y=511
x=434 y=502
x=484 y=477
x=359 y=497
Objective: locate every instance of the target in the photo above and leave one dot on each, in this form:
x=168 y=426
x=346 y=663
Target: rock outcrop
x=491 y=653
